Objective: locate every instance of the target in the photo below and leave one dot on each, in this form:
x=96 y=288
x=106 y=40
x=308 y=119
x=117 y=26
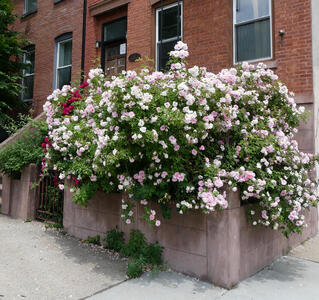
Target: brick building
x=284 y=34
x=219 y=34
x=54 y=29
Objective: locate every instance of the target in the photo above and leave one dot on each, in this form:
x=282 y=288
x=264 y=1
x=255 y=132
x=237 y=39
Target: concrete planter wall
x=221 y=247
x=18 y=200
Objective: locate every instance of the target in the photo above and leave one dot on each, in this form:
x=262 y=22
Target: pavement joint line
x=103 y=290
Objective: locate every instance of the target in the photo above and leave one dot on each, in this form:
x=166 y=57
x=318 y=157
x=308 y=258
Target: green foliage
x=135 y=268
x=11 y=45
x=95 y=240
x=25 y=150
x=13 y=125
x=115 y=240
x=53 y=225
x=137 y=249
x=136 y=245
x=153 y=254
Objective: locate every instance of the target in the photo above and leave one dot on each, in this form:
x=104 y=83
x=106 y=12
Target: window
x=114 y=47
x=28 y=74
x=63 y=60
x=30 y=6
x=252 y=30
x=169 y=24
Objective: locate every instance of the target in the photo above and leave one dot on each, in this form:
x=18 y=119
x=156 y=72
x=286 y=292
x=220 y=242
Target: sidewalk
x=41 y=264
x=46 y=265
x=288 y=278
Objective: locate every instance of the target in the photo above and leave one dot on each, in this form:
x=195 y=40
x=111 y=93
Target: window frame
x=270 y=17
x=157 y=11
x=27 y=11
x=27 y=50
x=58 y=41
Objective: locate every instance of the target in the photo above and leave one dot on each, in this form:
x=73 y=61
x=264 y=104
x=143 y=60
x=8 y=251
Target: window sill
x=270 y=64
x=27 y=14
x=27 y=101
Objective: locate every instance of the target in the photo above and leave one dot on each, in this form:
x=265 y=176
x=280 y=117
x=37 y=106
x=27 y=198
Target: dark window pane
x=115 y=31
x=163 y=53
x=64 y=77
x=27 y=92
x=253 y=41
x=65 y=53
x=248 y=10
x=170 y=18
x=29 y=60
x=30 y=5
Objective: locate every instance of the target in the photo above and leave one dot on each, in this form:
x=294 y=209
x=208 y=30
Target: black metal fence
x=49 y=204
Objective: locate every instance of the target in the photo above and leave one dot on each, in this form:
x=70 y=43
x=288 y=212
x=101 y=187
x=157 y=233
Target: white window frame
x=249 y=22
x=24 y=75
x=57 y=61
x=158 y=10
x=26 y=10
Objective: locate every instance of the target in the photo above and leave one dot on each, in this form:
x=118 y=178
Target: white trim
x=57 y=67
x=158 y=10
x=247 y=22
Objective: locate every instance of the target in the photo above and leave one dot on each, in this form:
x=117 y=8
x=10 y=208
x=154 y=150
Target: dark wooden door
x=114 y=58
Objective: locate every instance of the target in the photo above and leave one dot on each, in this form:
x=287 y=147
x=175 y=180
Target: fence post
x=28 y=195
x=68 y=208
x=6 y=194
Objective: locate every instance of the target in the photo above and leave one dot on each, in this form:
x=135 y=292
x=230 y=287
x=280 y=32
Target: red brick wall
x=293 y=52
x=207 y=28
x=41 y=28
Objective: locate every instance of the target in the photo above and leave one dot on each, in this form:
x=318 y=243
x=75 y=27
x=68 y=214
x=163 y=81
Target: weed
x=95 y=240
x=115 y=240
x=153 y=254
x=135 y=268
x=136 y=245
x=142 y=255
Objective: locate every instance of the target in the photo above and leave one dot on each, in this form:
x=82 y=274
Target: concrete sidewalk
x=288 y=278
x=42 y=264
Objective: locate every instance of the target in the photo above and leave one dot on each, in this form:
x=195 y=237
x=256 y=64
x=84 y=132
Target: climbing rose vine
x=186 y=137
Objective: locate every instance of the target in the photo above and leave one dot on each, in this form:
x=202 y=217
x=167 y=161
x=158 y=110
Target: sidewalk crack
x=103 y=290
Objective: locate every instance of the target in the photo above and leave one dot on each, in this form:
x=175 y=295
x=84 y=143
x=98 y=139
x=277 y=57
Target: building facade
x=54 y=29
x=219 y=34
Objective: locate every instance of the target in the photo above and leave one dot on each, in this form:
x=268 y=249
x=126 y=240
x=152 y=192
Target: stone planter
x=18 y=200
x=221 y=247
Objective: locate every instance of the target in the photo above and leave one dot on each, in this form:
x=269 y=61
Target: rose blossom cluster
x=184 y=138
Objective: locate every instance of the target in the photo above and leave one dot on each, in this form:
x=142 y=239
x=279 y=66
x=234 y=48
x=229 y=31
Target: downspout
x=178 y=20
x=83 y=39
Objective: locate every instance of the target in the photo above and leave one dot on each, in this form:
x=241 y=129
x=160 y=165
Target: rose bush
x=186 y=137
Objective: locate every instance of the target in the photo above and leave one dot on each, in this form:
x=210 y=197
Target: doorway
x=113 y=54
